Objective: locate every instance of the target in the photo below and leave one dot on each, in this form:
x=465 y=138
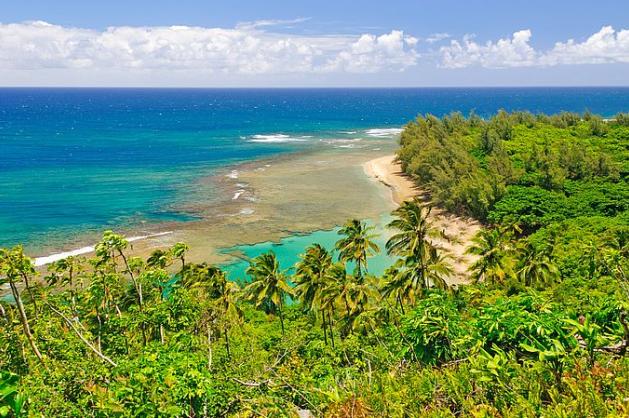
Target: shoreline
x=252 y=196
x=393 y=187
x=389 y=172
x=49 y=259
x=460 y=230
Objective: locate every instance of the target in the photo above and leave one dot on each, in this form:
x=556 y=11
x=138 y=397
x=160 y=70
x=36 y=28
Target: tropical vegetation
x=541 y=329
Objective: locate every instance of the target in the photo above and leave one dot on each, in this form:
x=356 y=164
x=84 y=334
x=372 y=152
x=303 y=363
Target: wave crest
x=383 y=132
x=277 y=138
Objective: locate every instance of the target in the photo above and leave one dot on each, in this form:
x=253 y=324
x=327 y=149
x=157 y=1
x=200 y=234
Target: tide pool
x=288 y=250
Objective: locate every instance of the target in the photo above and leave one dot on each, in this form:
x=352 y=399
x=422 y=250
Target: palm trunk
x=399 y=299
x=323 y=325
x=209 y=346
x=281 y=317
x=24 y=320
x=226 y=334
x=331 y=328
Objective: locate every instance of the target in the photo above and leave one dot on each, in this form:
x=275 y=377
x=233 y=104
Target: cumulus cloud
x=372 y=53
x=604 y=47
x=513 y=52
x=248 y=48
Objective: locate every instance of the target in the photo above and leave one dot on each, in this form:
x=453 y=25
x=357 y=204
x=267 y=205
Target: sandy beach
x=389 y=172
x=460 y=230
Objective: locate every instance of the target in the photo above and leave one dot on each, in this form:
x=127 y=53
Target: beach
x=389 y=172
x=271 y=200
x=459 y=230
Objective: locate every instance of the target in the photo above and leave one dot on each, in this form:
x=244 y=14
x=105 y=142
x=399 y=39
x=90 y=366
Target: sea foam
x=277 y=138
x=42 y=261
x=238 y=193
x=383 y=132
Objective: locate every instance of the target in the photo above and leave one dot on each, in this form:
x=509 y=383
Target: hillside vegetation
x=540 y=330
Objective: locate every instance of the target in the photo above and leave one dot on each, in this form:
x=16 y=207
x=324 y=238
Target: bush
x=435 y=330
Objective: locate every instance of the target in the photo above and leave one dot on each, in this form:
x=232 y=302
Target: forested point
x=541 y=329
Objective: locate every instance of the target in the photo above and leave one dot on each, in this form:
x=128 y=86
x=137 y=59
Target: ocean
x=74 y=162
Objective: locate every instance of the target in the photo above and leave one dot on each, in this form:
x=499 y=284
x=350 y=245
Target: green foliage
x=540 y=330
x=435 y=330
x=12 y=402
x=473 y=167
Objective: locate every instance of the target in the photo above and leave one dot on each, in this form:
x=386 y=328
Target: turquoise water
x=288 y=250
x=77 y=161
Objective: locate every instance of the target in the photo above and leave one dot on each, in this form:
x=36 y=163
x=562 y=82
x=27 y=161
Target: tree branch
x=82 y=338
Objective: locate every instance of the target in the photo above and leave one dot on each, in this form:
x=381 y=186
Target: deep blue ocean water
x=74 y=160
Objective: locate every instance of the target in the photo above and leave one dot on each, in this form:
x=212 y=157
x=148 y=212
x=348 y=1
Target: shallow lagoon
x=289 y=249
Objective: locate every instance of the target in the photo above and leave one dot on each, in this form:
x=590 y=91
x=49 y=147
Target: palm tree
x=357 y=245
x=336 y=292
x=201 y=278
x=438 y=269
x=357 y=294
x=158 y=259
x=269 y=286
x=311 y=279
x=209 y=284
x=395 y=285
x=179 y=251
x=492 y=265
x=412 y=276
x=421 y=265
x=351 y=293
x=537 y=266
x=415 y=230
x=228 y=307
x=111 y=247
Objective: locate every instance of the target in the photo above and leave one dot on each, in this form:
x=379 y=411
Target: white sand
x=459 y=230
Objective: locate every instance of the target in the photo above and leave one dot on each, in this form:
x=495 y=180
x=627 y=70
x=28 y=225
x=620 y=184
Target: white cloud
x=372 y=53
x=245 y=49
x=604 y=47
x=513 y=52
x=437 y=37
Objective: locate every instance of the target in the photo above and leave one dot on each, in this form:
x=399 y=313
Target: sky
x=271 y=43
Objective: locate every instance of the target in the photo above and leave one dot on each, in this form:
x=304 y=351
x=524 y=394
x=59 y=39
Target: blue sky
x=322 y=43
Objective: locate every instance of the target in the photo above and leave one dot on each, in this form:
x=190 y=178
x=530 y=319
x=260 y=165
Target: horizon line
x=559 y=86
